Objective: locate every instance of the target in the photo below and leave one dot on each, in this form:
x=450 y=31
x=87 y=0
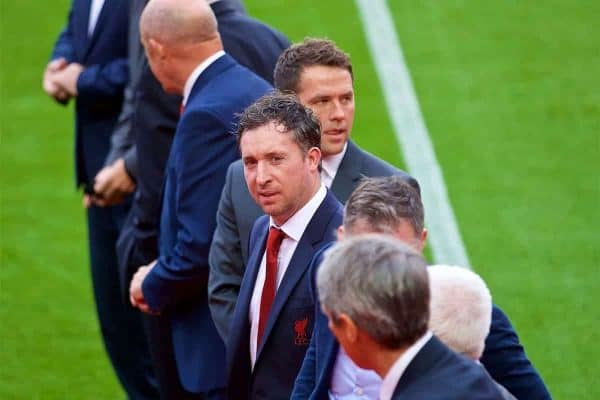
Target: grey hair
x=461 y=309
x=381 y=284
x=284 y=110
x=382 y=203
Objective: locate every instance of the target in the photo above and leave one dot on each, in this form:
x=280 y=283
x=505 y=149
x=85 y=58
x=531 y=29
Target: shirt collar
x=189 y=84
x=331 y=163
x=294 y=227
x=395 y=373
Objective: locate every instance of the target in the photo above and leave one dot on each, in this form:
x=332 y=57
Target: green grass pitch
x=510 y=94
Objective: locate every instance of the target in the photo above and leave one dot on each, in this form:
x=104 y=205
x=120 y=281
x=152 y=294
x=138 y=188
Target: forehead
x=326 y=80
x=266 y=139
x=402 y=229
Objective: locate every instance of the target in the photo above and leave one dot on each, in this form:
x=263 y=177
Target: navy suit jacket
x=252 y=44
x=504 y=357
x=437 y=373
x=281 y=352
x=202 y=150
x=101 y=85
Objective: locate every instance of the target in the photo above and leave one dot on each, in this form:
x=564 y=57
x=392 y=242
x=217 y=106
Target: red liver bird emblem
x=300 y=329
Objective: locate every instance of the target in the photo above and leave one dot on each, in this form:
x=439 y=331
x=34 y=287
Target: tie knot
x=275 y=238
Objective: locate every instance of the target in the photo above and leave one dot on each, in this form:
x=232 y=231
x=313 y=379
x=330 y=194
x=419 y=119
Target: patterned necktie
x=274 y=240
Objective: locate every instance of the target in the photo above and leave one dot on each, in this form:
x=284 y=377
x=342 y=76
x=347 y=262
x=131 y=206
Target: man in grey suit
x=320 y=74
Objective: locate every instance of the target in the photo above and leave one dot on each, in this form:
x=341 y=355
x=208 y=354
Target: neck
x=384 y=359
x=201 y=52
x=313 y=189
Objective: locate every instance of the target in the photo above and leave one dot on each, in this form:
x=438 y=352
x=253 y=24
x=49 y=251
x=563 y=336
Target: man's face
x=280 y=177
x=328 y=92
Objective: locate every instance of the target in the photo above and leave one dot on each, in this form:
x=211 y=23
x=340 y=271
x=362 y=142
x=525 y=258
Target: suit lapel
x=309 y=242
x=348 y=174
x=249 y=280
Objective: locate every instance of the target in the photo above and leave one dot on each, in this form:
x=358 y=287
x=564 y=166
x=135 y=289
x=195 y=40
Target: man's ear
x=422 y=240
x=340 y=233
x=155 y=48
x=314 y=157
x=347 y=328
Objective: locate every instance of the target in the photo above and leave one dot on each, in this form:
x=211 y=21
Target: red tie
x=274 y=240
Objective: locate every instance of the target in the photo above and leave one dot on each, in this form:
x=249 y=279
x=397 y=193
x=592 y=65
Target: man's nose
x=337 y=112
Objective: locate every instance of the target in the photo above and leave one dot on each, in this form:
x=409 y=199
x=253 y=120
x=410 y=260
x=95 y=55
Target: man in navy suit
x=321 y=75
x=273 y=319
x=390 y=206
x=185 y=53
x=374 y=290
x=89 y=63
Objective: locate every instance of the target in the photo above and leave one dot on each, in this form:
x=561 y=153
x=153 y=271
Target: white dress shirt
x=395 y=373
x=330 y=166
x=95 y=8
x=294 y=229
x=189 y=83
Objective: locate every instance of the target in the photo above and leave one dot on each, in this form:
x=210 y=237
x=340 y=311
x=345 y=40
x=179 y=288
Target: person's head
x=177 y=36
x=320 y=74
x=387 y=205
x=279 y=140
x=461 y=309
x=375 y=291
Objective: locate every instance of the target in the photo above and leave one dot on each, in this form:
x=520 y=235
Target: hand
x=67 y=78
x=112 y=183
x=136 y=296
x=49 y=84
x=87 y=201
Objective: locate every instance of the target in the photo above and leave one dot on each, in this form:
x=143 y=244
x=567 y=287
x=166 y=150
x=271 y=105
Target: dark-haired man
x=272 y=323
x=321 y=75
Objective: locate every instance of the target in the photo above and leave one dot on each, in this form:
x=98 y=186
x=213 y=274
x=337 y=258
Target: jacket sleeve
x=64 y=44
x=307 y=377
x=226 y=264
x=103 y=81
x=504 y=358
x=201 y=154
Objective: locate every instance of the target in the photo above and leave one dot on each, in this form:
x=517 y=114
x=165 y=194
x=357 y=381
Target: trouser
x=120 y=324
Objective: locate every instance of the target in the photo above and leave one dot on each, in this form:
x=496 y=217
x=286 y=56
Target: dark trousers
x=158 y=333
x=120 y=324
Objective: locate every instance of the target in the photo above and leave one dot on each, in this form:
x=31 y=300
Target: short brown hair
x=311 y=52
x=382 y=202
x=286 y=110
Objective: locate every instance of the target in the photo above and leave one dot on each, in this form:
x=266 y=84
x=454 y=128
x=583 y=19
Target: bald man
x=186 y=55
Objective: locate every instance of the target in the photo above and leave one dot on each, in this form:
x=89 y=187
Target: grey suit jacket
x=238 y=211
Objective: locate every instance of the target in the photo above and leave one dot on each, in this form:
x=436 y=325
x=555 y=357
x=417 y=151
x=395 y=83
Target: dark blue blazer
x=202 y=150
x=252 y=44
x=281 y=352
x=504 y=357
x=438 y=373
x=100 y=86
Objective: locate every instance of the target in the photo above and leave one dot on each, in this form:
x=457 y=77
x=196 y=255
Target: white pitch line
x=411 y=132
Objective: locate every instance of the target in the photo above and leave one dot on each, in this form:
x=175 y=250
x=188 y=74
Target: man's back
x=252 y=44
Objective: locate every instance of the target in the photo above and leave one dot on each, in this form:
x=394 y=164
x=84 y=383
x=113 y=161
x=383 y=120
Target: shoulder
x=372 y=166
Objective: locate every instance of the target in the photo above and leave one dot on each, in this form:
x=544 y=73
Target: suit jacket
x=202 y=150
x=100 y=86
x=504 y=357
x=437 y=373
x=281 y=352
x=251 y=43
x=238 y=211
